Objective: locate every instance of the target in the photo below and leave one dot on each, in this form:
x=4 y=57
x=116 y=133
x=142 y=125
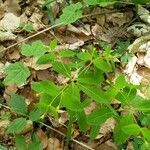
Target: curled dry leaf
x=54 y=144
x=31 y=62
x=43 y=138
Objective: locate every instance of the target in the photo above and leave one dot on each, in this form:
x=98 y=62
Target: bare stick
x=80 y=143
x=49 y=28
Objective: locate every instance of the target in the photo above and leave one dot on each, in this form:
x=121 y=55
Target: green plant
x=27 y=27
x=84 y=78
x=84 y=82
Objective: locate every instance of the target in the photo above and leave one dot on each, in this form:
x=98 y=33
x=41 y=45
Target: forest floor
x=25 y=21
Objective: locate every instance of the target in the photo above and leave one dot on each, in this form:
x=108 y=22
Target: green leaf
x=45 y=99
x=140 y=1
x=35 y=144
x=120 y=82
x=36 y=49
x=17 y=125
x=99 y=2
x=18 y=104
x=20 y=142
x=94 y=92
x=16 y=73
x=91 y=77
x=144 y=119
x=94 y=131
x=142 y=106
x=146 y=133
x=126 y=95
x=27 y=27
x=102 y=65
x=53 y=44
x=53 y=111
x=99 y=116
x=82 y=120
x=62 y=68
x=3 y=148
x=119 y=136
x=67 y=53
x=131 y=129
x=46 y=58
x=47 y=87
x=71 y=13
x=84 y=56
x=35 y=114
x=71 y=98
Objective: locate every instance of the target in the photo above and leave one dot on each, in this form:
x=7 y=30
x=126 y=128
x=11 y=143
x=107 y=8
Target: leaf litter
x=105 y=26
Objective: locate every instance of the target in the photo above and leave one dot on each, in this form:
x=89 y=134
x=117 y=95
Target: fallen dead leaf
x=54 y=144
x=44 y=75
x=31 y=62
x=43 y=138
x=8 y=91
x=90 y=108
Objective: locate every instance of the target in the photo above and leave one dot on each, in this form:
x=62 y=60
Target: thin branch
x=29 y=37
x=76 y=141
x=7 y=107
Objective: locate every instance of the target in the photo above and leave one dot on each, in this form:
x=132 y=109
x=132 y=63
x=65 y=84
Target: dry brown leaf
x=44 y=75
x=108 y=126
x=8 y=91
x=109 y=145
x=119 y=18
x=54 y=144
x=27 y=128
x=14 y=55
x=63 y=117
x=90 y=108
x=43 y=138
x=13 y=6
x=31 y=62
